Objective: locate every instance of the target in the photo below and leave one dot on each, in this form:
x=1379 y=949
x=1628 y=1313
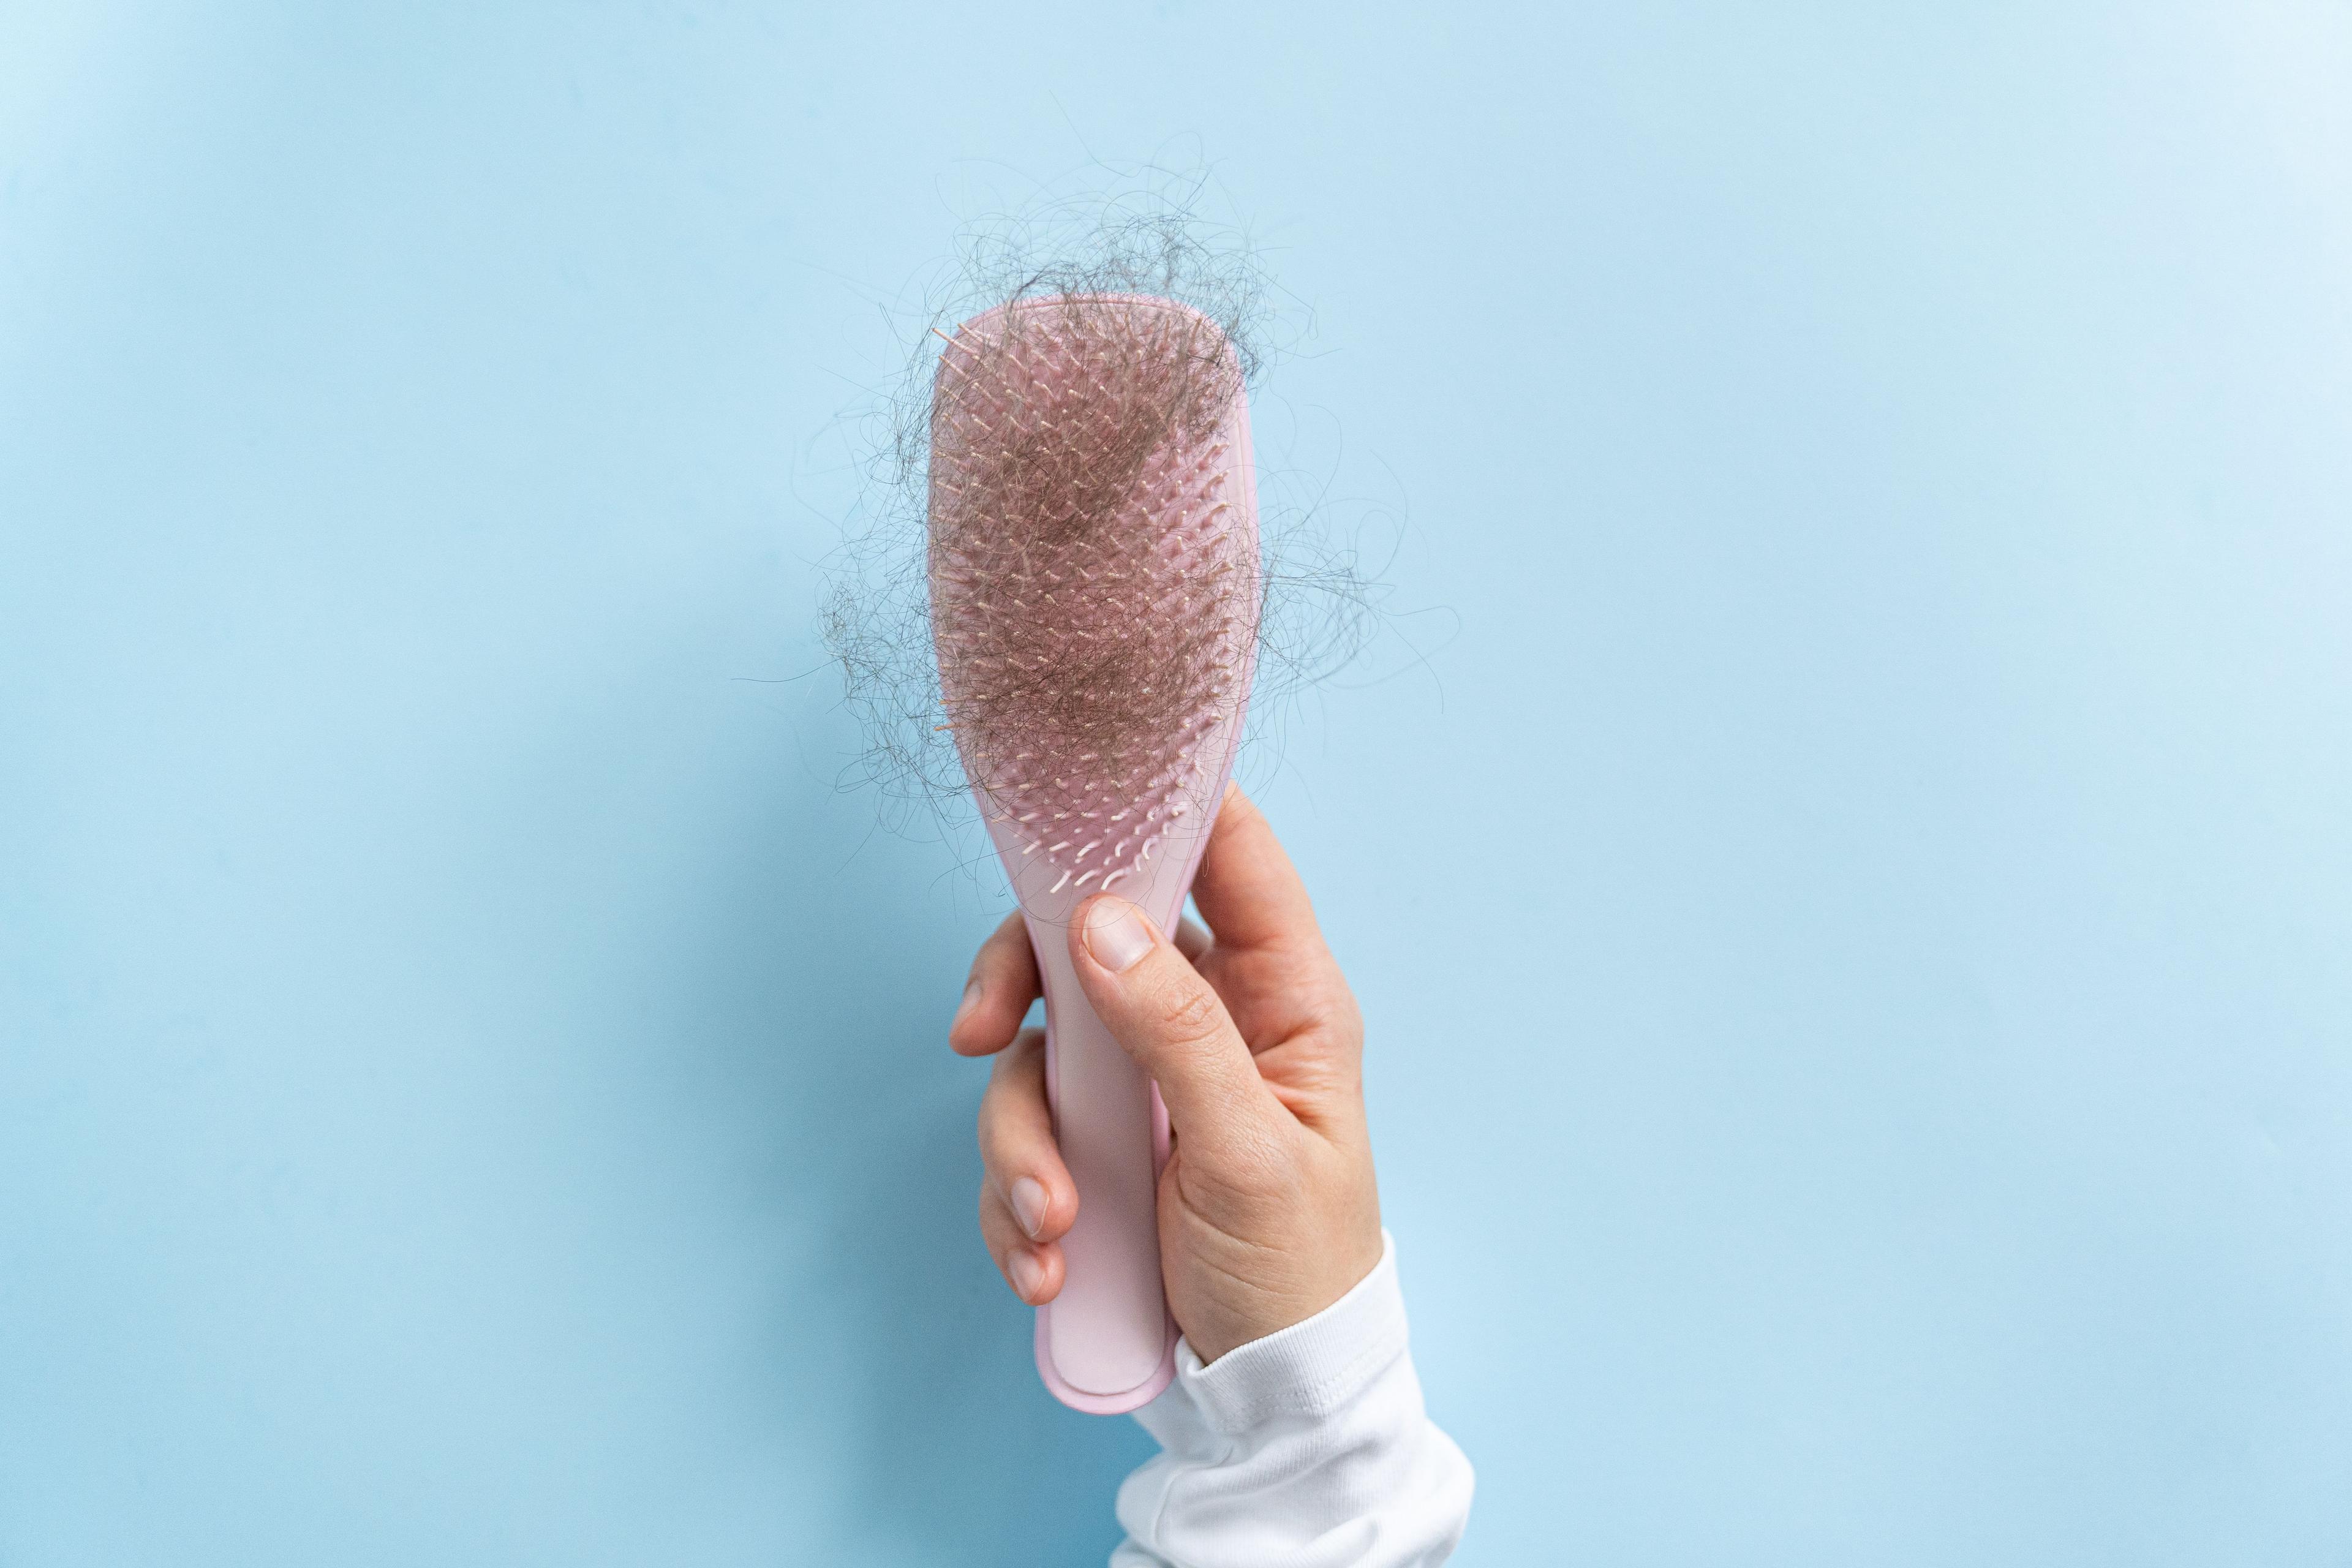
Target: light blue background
x=1857 y=921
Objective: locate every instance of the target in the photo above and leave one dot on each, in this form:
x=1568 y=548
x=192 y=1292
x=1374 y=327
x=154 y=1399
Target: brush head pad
x=1094 y=579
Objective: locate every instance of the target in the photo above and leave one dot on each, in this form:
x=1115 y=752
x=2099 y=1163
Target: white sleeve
x=1305 y=1448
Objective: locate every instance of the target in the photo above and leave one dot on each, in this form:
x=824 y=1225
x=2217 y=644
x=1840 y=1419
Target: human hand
x=1269 y=1211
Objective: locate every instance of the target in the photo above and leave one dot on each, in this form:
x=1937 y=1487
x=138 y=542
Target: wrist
x=1316 y=1358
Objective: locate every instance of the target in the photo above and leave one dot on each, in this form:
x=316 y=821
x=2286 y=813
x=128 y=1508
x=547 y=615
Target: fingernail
x=1117 y=934
x=1027 y=1273
x=1029 y=1204
x=971 y=1000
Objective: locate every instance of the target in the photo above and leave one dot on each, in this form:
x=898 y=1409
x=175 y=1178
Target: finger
x=1247 y=889
x=996 y=998
x=1016 y=1143
x=1192 y=937
x=1035 y=1272
x=1173 y=1023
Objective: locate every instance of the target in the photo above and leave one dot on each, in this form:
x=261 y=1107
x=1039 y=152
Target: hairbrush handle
x=1106 y=1344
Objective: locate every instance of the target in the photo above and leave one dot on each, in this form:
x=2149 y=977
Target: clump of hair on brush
x=1102 y=340
x=1094 y=591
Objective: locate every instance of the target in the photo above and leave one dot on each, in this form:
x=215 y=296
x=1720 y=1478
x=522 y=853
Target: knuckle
x=1331 y=1015
x=1188 y=1015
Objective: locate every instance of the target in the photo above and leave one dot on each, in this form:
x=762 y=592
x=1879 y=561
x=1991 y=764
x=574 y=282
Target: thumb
x=1172 y=1022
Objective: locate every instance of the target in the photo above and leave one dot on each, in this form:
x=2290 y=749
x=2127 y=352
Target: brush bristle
x=1093 y=568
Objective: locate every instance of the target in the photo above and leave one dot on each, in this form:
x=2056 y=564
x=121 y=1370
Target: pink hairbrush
x=1094 y=580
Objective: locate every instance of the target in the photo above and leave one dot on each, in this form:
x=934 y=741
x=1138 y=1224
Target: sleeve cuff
x=1308 y=1369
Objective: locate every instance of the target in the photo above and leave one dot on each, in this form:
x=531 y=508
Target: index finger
x=996 y=998
x=1247 y=888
